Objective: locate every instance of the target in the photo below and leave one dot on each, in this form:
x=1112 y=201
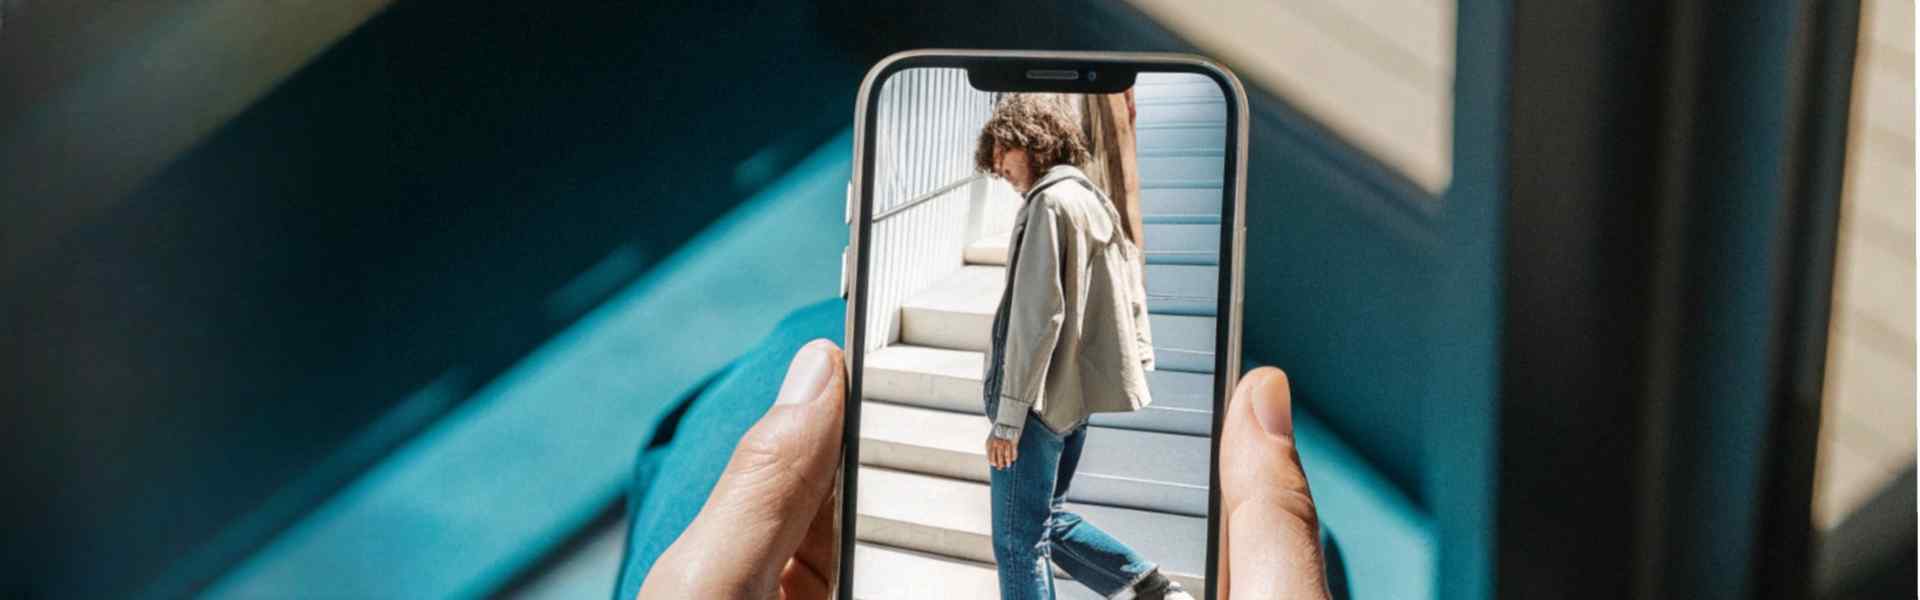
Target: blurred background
x=381 y=298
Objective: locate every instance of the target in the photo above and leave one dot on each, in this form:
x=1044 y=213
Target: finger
x=770 y=493
x=1271 y=546
x=816 y=563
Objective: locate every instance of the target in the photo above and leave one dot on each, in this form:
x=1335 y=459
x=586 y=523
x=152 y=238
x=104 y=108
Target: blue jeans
x=1032 y=527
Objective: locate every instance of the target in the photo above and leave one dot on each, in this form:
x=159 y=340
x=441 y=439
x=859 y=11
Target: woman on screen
x=1070 y=339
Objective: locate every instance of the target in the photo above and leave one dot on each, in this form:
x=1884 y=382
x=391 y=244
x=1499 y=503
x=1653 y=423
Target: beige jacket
x=1078 y=341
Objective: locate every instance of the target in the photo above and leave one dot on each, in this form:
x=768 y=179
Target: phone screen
x=1041 y=289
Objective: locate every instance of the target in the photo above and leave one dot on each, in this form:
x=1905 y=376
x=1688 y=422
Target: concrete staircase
x=923 y=477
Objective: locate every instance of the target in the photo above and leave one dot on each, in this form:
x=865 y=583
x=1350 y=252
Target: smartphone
x=1044 y=283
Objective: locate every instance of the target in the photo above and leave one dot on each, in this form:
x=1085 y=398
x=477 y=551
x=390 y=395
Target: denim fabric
x=1032 y=528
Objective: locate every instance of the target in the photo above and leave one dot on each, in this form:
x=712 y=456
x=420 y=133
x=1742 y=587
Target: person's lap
x=676 y=471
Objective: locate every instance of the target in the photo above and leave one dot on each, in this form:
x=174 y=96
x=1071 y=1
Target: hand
x=767 y=531
x=768 y=527
x=1000 y=453
x=1270 y=532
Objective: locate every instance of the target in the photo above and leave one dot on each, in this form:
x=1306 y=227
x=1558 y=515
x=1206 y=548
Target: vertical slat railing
x=929 y=119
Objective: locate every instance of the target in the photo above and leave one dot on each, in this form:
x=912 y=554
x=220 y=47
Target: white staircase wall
x=927 y=121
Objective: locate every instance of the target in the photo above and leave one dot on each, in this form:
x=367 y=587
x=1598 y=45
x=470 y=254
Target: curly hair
x=1036 y=123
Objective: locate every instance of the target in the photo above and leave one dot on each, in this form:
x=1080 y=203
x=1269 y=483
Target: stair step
x=1120 y=467
x=1183 y=257
x=888 y=573
x=956 y=312
x=1183 y=343
x=1182 y=403
x=949 y=380
x=1180 y=201
x=1192 y=290
x=1175 y=85
x=1154 y=167
x=951 y=518
x=1182 y=135
x=990 y=250
x=1181 y=219
x=1184 y=112
x=925 y=377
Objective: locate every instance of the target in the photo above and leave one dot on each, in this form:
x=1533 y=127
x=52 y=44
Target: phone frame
x=994 y=67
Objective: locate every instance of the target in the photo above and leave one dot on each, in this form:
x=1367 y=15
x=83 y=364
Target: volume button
x=843 y=272
x=1239 y=266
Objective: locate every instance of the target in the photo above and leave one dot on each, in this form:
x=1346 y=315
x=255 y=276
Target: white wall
x=925 y=129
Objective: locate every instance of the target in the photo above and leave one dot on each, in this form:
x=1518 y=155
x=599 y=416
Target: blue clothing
x=676 y=471
x=1032 y=528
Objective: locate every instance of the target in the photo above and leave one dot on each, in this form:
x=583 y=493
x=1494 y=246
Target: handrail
x=923 y=198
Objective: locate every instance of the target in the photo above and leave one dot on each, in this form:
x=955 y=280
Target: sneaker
x=1157 y=587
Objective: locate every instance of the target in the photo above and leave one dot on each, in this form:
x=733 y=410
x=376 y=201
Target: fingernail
x=806 y=375
x=1271 y=406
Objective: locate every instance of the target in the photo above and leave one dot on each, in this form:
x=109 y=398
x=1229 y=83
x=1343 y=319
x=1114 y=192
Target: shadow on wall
x=411 y=211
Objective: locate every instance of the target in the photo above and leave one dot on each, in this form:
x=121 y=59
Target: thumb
x=1271 y=543
x=770 y=493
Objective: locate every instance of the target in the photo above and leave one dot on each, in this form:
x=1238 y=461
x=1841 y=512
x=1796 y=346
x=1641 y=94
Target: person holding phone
x=797 y=515
x=1070 y=339
x=767 y=528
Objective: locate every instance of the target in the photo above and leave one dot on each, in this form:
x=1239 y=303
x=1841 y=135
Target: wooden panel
x=1844 y=477
x=1876 y=282
x=1878 y=200
x=1411 y=37
x=1872 y=392
x=1424 y=28
x=1867 y=431
x=1370 y=99
x=1888 y=22
x=1885 y=102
